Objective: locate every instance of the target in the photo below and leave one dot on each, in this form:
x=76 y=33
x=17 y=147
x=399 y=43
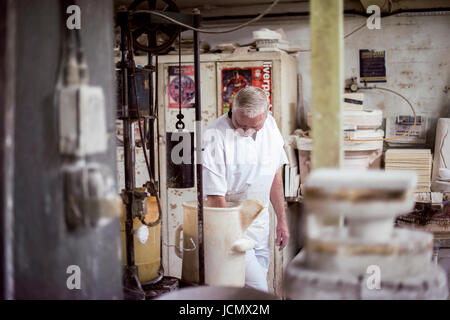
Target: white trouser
x=257 y=259
x=256 y=271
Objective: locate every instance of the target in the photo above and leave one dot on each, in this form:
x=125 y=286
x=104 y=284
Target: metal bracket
x=89 y=194
x=137 y=200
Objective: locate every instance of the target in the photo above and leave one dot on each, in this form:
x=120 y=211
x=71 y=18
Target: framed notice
x=235 y=78
x=400 y=124
x=187 y=84
x=372 y=66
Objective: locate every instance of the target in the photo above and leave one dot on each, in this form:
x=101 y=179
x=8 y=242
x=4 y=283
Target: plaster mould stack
x=417 y=160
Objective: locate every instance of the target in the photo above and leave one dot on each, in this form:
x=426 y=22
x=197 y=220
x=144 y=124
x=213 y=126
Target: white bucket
x=224 y=242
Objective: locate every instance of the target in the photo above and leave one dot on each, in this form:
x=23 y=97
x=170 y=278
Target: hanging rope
x=180 y=124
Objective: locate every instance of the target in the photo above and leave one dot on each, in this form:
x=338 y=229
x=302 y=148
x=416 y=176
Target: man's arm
x=216 y=201
x=214 y=170
x=277 y=199
x=225 y=87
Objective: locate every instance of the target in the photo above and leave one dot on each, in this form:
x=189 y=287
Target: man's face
x=245 y=125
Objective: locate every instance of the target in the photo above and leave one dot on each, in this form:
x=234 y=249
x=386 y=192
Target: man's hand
x=282 y=234
x=216 y=201
x=277 y=199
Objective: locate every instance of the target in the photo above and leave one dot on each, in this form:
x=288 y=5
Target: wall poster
x=236 y=78
x=187 y=86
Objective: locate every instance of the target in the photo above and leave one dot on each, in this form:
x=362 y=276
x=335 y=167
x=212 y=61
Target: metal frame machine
x=143 y=26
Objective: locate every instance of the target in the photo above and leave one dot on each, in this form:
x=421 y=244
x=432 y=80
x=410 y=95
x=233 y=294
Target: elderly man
x=243 y=151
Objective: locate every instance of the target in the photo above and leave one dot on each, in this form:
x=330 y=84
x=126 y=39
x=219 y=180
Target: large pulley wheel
x=160 y=35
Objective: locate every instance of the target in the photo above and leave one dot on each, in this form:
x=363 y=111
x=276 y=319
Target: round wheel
x=148 y=36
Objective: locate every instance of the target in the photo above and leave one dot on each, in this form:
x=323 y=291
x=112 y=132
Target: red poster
x=234 y=79
x=187 y=86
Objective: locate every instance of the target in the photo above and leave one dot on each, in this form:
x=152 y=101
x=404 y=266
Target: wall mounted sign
x=400 y=124
x=372 y=66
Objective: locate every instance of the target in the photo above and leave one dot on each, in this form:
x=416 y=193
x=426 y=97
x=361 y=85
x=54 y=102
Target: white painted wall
x=417 y=60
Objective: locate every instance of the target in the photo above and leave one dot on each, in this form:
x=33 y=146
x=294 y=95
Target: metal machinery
x=141 y=29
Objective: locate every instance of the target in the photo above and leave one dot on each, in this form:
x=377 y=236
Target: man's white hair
x=252 y=101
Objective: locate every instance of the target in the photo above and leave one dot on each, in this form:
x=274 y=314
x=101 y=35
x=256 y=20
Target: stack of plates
x=353 y=101
x=355 y=116
x=270 y=40
x=418 y=160
x=358 y=119
x=362 y=119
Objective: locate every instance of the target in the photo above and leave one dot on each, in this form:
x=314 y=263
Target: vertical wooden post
x=327 y=82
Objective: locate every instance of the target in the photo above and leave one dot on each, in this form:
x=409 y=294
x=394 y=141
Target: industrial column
x=327 y=82
x=198 y=137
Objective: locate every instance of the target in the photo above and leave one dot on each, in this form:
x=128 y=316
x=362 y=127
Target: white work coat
x=242 y=168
